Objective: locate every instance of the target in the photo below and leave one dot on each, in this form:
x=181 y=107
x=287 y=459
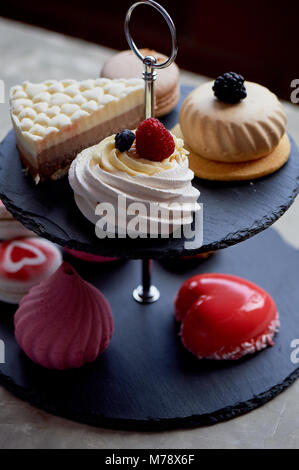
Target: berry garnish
x=153 y=141
x=124 y=140
x=230 y=88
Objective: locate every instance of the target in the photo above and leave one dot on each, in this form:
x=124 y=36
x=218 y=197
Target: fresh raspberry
x=153 y=141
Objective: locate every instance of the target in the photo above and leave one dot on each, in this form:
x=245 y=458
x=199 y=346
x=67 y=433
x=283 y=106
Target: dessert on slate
x=151 y=168
x=125 y=64
x=225 y=316
x=56 y=119
x=234 y=130
x=64 y=322
x=24 y=262
x=10 y=227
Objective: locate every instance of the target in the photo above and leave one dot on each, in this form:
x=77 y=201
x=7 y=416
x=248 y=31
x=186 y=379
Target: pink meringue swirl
x=63 y=322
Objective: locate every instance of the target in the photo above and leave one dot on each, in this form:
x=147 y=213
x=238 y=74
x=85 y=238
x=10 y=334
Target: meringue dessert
x=54 y=120
x=225 y=317
x=63 y=322
x=103 y=173
x=233 y=129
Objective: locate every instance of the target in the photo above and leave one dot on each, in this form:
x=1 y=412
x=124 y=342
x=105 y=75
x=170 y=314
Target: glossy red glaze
x=225 y=316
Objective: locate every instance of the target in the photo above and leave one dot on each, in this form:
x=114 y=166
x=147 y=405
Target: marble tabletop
x=29 y=53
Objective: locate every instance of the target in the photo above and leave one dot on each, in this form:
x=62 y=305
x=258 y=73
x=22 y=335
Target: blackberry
x=230 y=88
x=124 y=140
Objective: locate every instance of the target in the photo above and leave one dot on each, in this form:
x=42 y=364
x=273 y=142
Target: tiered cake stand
x=146 y=380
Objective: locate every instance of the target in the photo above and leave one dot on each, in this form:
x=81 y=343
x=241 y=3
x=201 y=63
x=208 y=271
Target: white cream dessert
x=102 y=173
x=56 y=119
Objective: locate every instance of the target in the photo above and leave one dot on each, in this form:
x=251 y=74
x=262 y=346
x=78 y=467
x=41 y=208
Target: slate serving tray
x=146 y=380
x=232 y=212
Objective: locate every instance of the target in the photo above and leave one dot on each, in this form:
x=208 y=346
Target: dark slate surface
x=146 y=380
x=232 y=211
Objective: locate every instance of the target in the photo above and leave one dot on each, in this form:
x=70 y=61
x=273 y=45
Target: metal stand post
x=147 y=293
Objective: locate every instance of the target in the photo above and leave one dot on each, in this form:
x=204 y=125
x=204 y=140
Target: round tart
x=246 y=139
x=89 y=257
x=232 y=133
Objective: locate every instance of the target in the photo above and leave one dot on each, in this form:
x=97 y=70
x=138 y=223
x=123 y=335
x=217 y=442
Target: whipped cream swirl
x=100 y=174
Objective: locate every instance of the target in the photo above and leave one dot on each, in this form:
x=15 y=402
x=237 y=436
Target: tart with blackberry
x=234 y=129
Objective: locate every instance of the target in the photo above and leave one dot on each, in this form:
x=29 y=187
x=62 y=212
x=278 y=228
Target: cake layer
x=54 y=162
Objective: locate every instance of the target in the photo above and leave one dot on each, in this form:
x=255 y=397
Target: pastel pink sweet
x=89 y=257
x=25 y=262
x=64 y=322
x=9 y=227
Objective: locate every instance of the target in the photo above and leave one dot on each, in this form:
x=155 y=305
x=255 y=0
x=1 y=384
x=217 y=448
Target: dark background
x=258 y=38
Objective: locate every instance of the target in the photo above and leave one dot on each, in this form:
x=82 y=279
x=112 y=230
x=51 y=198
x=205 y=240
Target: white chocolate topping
x=48 y=113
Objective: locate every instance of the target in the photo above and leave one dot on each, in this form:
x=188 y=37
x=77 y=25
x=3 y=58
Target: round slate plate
x=232 y=212
x=146 y=380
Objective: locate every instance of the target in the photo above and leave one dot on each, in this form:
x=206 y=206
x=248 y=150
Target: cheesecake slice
x=57 y=119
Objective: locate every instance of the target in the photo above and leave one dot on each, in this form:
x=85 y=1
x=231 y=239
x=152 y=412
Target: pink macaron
x=10 y=227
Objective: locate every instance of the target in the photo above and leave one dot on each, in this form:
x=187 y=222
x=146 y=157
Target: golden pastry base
x=219 y=171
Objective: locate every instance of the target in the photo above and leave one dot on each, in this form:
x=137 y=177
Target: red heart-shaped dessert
x=224 y=316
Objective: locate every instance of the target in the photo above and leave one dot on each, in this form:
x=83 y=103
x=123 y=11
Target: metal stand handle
x=147 y=293
x=150 y=62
